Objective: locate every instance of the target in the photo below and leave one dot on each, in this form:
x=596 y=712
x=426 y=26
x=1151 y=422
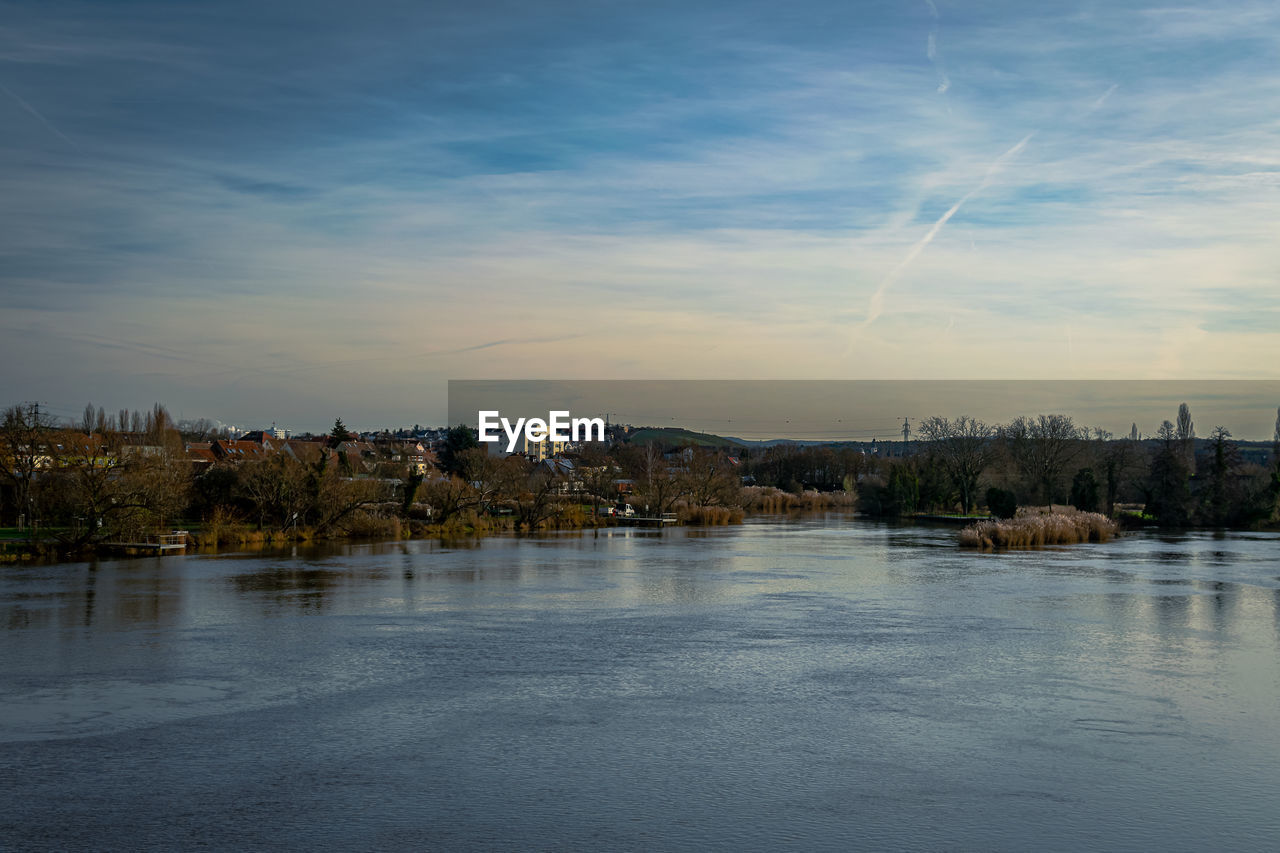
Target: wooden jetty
x=156 y=543
x=667 y=518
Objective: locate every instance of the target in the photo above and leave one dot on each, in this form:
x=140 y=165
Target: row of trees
x=1050 y=459
x=97 y=482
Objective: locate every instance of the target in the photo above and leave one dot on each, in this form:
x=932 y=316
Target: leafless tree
x=710 y=479
x=447 y=497
x=598 y=471
x=1275 y=442
x=106 y=492
x=1186 y=431
x=1042 y=448
x=654 y=481
x=281 y=490
x=1119 y=460
x=964 y=449
x=531 y=489
x=486 y=474
x=24 y=451
x=339 y=497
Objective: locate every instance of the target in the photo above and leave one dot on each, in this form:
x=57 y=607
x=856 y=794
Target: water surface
x=824 y=684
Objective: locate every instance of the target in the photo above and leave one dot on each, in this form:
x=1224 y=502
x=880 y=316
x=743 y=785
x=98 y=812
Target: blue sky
x=292 y=211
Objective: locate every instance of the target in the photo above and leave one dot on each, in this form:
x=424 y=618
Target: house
x=302 y=450
x=235 y=451
x=200 y=454
x=415 y=456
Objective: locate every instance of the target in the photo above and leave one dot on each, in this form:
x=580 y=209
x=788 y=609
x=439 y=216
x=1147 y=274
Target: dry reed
x=1036 y=530
x=710 y=515
x=770 y=499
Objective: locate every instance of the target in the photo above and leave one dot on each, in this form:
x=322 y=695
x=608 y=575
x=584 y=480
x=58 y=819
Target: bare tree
x=654 y=480
x=1186 y=429
x=710 y=479
x=485 y=472
x=281 y=490
x=1042 y=448
x=1186 y=432
x=1119 y=461
x=532 y=488
x=964 y=448
x=104 y=492
x=447 y=497
x=598 y=473
x=339 y=497
x=199 y=429
x=24 y=451
x=1275 y=441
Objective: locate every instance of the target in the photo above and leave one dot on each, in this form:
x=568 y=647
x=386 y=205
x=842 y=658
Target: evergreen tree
x=339 y=433
x=1084 y=491
x=458 y=440
x=1170 y=482
x=1223 y=504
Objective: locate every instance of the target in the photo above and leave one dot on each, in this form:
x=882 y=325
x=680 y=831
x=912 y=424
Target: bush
x=1002 y=503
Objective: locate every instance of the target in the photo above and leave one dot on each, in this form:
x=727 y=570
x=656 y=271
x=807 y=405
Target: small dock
x=664 y=520
x=158 y=543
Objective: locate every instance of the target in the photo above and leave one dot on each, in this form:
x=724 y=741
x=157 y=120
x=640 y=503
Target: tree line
x=112 y=477
x=1176 y=479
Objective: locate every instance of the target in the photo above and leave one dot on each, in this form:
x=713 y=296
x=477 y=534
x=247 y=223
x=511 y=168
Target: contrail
x=876 y=304
x=41 y=118
x=931 y=50
x=1103 y=99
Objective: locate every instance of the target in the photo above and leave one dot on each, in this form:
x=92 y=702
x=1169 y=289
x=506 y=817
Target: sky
x=294 y=211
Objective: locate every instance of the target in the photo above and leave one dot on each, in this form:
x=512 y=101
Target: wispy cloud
x=361 y=208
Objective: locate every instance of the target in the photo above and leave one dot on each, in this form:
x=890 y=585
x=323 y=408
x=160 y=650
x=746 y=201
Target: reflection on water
x=820 y=683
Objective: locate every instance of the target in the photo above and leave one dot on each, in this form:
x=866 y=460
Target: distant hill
x=799 y=442
x=676 y=437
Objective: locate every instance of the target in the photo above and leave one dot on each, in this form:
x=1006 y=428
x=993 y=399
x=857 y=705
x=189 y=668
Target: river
x=815 y=684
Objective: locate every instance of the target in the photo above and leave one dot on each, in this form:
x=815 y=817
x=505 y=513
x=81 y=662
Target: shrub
x=1002 y=503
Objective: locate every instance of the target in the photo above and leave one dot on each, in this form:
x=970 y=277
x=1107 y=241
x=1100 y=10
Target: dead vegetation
x=770 y=499
x=1033 y=529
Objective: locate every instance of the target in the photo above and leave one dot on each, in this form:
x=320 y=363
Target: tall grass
x=1036 y=530
x=709 y=515
x=770 y=499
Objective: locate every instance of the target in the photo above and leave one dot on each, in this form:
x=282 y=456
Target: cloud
x=360 y=208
